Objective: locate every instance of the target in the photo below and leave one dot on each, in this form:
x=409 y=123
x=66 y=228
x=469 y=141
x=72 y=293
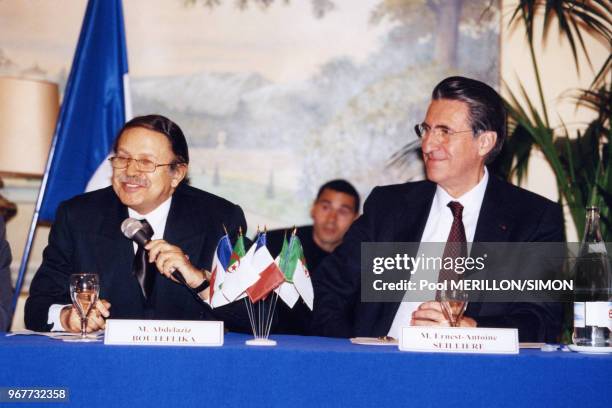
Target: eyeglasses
x=423 y=130
x=144 y=165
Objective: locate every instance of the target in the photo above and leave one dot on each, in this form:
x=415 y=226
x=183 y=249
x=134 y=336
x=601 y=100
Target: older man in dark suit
x=149 y=168
x=464 y=129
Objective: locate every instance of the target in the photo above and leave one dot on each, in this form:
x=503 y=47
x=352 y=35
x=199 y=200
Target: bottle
x=592 y=287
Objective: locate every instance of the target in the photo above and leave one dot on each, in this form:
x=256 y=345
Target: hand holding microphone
x=170 y=260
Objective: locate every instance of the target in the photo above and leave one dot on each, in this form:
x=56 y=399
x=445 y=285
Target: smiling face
x=332 y=214
x=144 y=192
x=456 y=161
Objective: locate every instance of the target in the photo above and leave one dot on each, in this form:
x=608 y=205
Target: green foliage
x=574 y=18
x=582 y=163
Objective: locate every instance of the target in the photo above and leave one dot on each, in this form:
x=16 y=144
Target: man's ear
x=486 y=142
x=178 y=174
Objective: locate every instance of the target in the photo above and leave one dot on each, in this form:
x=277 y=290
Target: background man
x=464 y=128
x=6 y=291
x=332 y=213
x=149 y=167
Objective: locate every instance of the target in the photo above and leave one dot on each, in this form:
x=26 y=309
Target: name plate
x=163 y=333
x=479 y=340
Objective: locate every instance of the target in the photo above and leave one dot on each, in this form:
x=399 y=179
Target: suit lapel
x=114 y=253
x=496 y=219
x=495 y=223
x=415 y=211
x=181 y=227
x=181 y=230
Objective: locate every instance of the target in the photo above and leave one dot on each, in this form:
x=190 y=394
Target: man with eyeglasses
x=150 y=164
x=460 y=202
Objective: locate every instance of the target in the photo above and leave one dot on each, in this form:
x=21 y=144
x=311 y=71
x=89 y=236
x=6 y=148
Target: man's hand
x=431 y=314
x=169 y=258
x=71 y=320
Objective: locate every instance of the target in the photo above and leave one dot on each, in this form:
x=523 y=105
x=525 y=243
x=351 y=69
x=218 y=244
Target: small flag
x=220 y=263
x=297 y=271
x=270 y=276
x=240 y=275
x=237 y=253
x=286 y=291
x=302 y=282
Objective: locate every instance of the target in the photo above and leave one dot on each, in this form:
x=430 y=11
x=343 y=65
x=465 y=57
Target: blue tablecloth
x=302 y=371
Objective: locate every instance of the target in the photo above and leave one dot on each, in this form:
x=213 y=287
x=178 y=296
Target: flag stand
x=260 y=342
x=261 y=321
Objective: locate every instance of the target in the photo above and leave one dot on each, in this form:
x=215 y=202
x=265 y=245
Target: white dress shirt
x=437 y=228
x=156 y=218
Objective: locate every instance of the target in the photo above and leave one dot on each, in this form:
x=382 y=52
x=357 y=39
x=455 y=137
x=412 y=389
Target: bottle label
x=597 y=314
x=597 y=248
x=579 y=314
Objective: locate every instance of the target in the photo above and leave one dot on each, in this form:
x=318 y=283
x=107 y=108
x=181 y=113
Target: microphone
x=135 y=230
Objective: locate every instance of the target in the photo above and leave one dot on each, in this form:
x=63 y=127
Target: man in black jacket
x=333 y=211
x=464 y=129
x=149 y=167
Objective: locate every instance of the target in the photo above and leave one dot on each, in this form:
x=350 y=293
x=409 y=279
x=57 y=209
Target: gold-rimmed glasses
x=144 y=165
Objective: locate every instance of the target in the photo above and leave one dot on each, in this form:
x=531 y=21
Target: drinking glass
x=84 y=291
x=454 y=302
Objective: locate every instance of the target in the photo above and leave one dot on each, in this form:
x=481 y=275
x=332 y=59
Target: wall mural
x=277 y=97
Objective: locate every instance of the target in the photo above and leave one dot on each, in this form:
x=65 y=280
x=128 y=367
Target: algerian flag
x=296 y=273
x=302 y=282
x=286 y=291
x=238 y=252
x=240 y=273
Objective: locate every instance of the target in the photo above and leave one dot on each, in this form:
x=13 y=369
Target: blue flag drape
x=93 y=108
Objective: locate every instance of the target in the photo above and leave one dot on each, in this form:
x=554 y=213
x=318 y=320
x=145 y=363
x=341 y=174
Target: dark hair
x=341 y=186
x=486 y=108
x=165 y=126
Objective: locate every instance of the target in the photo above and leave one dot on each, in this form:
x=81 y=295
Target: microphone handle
x=179 y=277
x=142 y=239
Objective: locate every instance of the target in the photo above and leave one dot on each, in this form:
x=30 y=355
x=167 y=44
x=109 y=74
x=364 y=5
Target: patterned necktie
x=456 y=245
x=142 y=269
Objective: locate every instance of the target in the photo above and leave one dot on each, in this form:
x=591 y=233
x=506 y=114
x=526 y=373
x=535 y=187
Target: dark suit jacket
x=6 y=290
x=86 y=237
x=398 y=213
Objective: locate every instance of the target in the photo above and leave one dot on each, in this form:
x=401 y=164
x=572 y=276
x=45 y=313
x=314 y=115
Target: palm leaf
x=571 y=16
x=599 y=100
x=603 y=72
x=403 y=157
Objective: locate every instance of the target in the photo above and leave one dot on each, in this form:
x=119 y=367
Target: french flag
x=219 y=266
x=96 y=105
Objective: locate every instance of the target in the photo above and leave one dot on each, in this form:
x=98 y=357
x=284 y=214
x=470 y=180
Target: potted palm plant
x=581 y=162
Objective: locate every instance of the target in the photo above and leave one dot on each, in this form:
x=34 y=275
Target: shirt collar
x=471 y=201
x=156 y=218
